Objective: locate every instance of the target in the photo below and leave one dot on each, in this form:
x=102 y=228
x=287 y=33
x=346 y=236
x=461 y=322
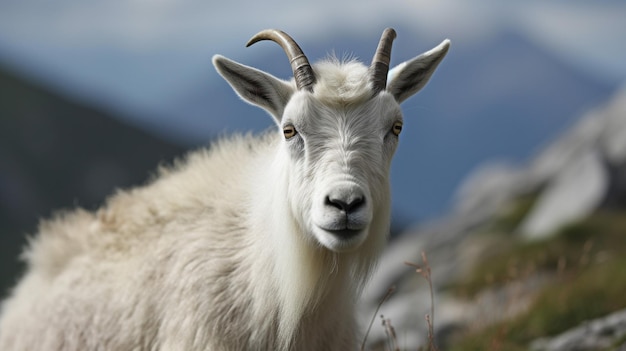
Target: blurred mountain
x=56 y=153
x=501 y=99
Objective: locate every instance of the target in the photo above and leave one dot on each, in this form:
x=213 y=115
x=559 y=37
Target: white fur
x=233 y=248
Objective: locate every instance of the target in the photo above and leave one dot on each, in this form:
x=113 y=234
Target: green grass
x=510 y=217
x=596 y=237
x=587 y=262
x=617 y=344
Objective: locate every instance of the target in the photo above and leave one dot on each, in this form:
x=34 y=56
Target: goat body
x=258 y=243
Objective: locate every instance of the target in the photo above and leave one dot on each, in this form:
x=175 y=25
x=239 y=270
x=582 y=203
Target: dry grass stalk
x=392 y=339
x=424 y=271
x=369 y=328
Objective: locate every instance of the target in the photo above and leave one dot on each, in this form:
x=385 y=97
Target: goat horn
x=302 y=71
x=380 y=62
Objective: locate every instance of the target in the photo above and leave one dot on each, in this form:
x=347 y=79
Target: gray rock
x=613 y=140
x=577 y=190
x=487 y=189
x=597 y=334
x=577 y=170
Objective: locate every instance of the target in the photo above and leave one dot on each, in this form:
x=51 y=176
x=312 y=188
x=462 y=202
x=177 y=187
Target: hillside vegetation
x=531 y=258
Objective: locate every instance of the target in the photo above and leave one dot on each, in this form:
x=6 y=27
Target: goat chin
x=255 y=243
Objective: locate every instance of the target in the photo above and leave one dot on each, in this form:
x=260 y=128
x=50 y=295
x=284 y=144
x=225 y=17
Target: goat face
x=339 y=159
x=339 y=125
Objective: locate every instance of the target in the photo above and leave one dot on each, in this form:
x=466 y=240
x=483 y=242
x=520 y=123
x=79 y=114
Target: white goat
x=259 y=243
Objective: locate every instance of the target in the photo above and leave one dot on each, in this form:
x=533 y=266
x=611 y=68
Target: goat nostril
x=344 y=205
x=356 y=203
x=336 y=203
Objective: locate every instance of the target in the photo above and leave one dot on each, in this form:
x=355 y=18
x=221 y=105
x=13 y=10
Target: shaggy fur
x=217 y=252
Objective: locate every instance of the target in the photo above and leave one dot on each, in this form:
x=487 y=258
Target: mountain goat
x=257 y=243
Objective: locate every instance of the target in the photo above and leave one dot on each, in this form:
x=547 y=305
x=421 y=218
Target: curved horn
x=302 y=71
x=380 y=62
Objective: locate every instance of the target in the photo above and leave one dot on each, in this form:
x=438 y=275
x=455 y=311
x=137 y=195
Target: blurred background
x=519 y=137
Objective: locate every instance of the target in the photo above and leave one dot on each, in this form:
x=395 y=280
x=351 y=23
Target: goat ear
x=411 y=76
x=255 y=86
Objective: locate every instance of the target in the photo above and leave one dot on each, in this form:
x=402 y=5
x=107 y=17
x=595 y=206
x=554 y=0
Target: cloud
x=589 y=35
x=145 y=24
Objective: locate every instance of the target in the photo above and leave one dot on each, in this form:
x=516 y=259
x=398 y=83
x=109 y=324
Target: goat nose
x=347 y=204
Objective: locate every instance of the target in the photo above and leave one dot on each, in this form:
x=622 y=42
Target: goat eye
x=397 y=128
x=289 y=131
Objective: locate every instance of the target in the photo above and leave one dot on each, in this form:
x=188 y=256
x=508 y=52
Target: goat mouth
x=344 y=233
x=340 y=239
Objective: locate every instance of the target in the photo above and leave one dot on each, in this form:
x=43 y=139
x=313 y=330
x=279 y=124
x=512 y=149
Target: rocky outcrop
x=582 y=170
x=595 y=335
x=575 y=191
